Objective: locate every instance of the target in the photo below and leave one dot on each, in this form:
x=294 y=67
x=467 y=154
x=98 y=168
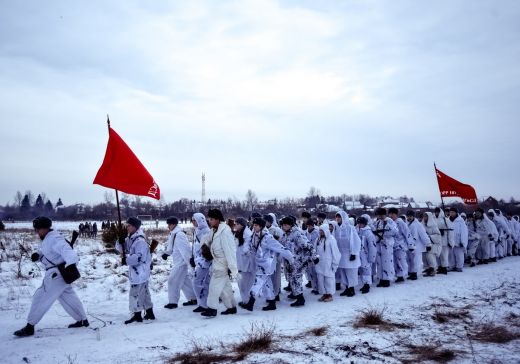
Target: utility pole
x=203 y=196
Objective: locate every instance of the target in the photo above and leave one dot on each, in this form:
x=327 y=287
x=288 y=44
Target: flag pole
x=442 y=199
x=119 y=223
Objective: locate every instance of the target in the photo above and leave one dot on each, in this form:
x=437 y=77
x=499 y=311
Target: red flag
x=122 y=170
x=450 y=187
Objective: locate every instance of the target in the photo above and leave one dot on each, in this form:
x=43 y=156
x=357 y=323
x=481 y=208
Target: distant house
x=80 y=208
x=420 y=205
x=354 y=205
x=323 y=207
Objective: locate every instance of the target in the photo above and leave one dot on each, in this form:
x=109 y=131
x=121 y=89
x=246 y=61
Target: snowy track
x=490 y=293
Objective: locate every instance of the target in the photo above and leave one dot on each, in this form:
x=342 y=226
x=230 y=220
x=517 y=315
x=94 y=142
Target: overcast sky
x=274 y=96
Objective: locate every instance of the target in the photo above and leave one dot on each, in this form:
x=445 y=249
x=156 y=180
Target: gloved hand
x=192 y=262
x=411 y=249
x=316 y=260
x=461 y=245
x=428 y=248
x=352 y=257
x=442 y=232
x=164 y=256
x=35 y=257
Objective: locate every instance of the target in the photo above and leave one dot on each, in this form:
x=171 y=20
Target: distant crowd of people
x=88 y=229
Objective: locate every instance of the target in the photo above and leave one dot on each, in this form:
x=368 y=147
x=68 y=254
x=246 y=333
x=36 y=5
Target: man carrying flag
x=123 y=171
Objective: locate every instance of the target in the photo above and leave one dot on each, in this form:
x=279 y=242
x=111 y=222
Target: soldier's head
x=454 y=212
x=361 y=221
x=215 y=217
x=393 y=213
x=42 y=226
x=310 y=224
x=437 y=211
x=240 y=224
x=268 y=220
x=287 y=223
x=479 y=213
x=410 y=215
x=380 y=213
x=321 y=217
x=258 y=224
x=305 y=216
x=132 y=225
x=172 y=222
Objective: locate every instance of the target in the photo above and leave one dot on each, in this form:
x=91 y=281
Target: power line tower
x=203 y=196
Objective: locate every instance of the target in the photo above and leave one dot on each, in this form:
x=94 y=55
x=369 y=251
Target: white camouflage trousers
x=179 y=280
x=263 y=287
x=54 y=288
x=247 y=279
x=220 y=286
x=139 y=297
x=400 y=262
x=385 y=262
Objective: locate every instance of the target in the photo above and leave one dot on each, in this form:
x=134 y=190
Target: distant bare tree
x=109 y=197
x=313 y=192
x=251 y=200
x=18 y=197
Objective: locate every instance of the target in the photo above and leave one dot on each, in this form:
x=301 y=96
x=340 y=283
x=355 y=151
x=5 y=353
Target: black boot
x=135 y=318
x=400 y=279
x=430 y=272
x=288 y=288
x=349 y=292
x=277 y=298
x=443 y=270
x=230 y=311
x=190 y=303
x=28 y=330
x=271 y=306
x=412 y=276
x=384 y=283
x=365 y=289
x=171 y=306
x=209 y=312
x=250 y=304
x=338 y=286
x=300 y=301
x=199 y=309
x=308 y=285
x=80 y=323
x=315 y=291
x=472 y=264
x=291 y=297
x=149 y=314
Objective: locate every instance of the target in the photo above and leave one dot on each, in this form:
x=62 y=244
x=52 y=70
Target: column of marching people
x=342 y=254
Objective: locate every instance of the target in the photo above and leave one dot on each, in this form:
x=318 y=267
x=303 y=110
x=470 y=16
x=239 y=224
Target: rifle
x=153 y=245
x=380 y=233
x=121 y=237
x=73 y=239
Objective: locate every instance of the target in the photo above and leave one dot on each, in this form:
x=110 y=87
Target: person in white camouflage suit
x=303 y=252
x=385 y=231
x=265 y=249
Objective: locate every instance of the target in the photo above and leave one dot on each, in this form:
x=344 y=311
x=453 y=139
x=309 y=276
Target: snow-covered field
x=415 y=311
